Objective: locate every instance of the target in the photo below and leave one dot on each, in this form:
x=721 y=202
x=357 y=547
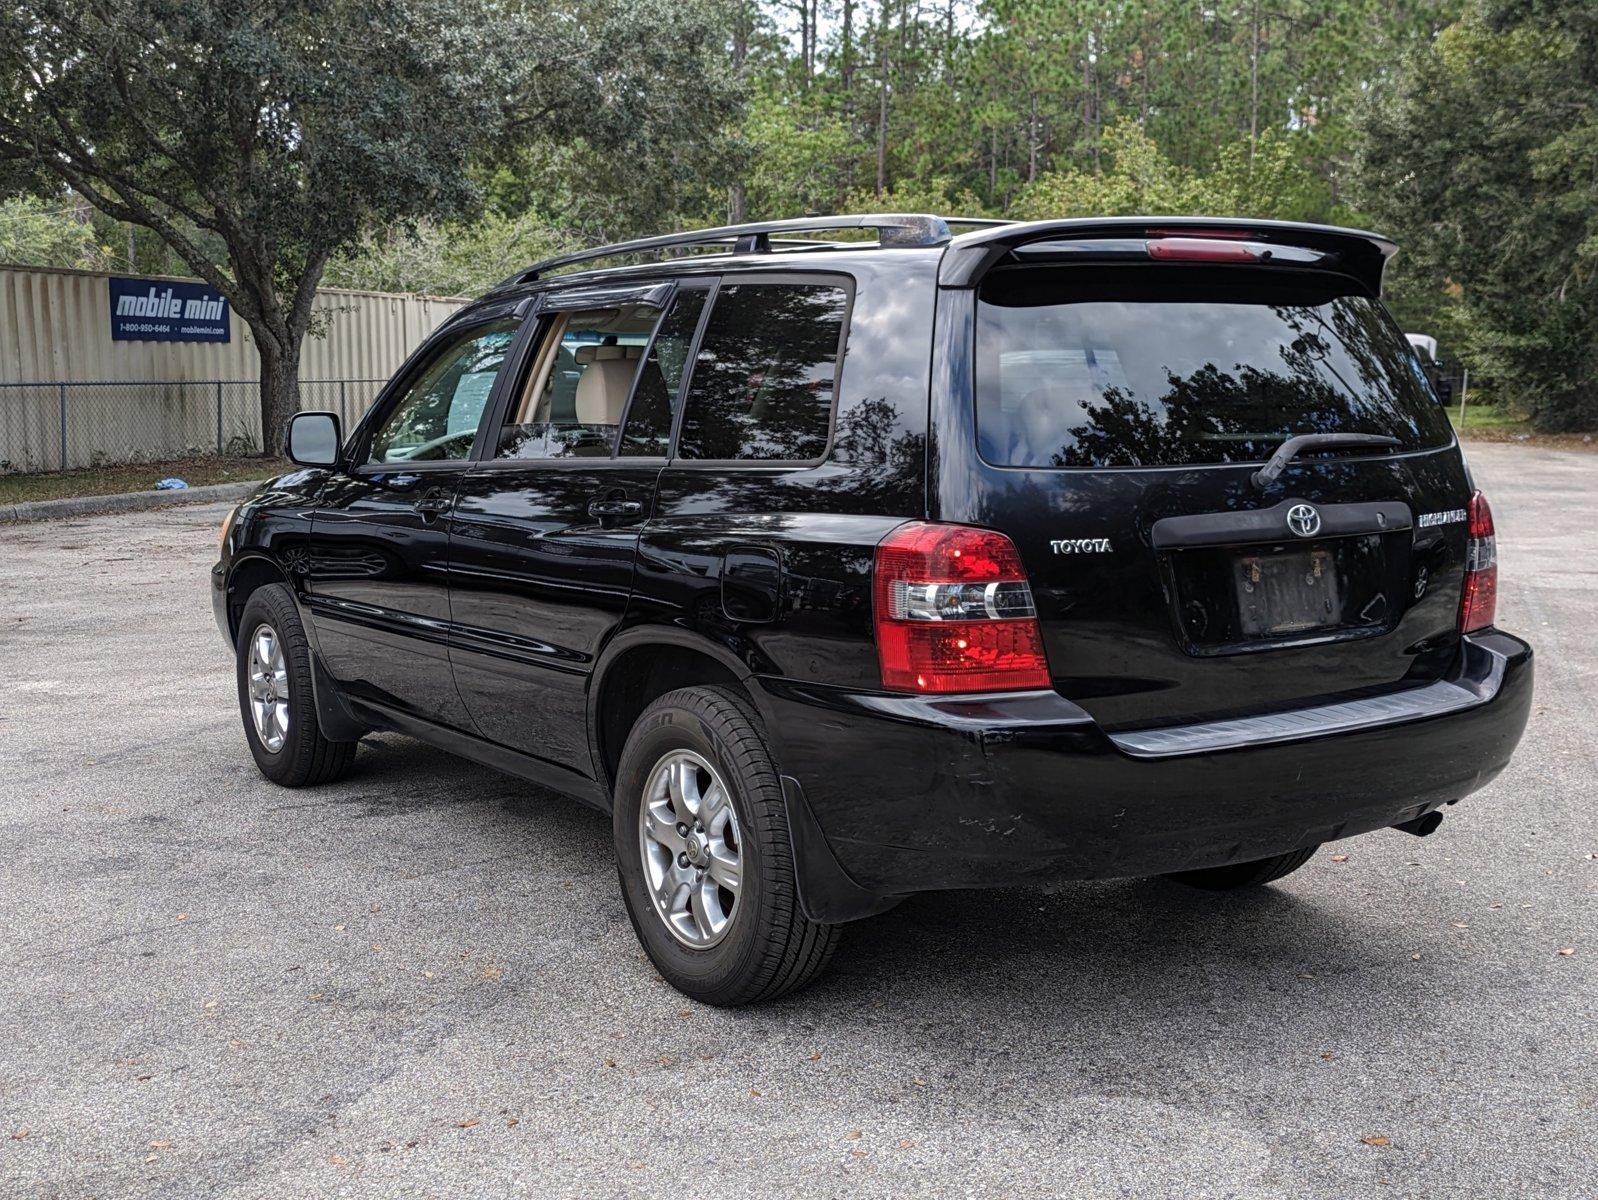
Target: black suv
x=843 y=570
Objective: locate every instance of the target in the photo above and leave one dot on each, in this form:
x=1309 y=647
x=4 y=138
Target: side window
x=438 y=415
x=648 y=430
x=763 y=382
x=575 y=393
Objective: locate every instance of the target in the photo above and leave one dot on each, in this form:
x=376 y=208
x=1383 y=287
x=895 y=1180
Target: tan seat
x=602 y=390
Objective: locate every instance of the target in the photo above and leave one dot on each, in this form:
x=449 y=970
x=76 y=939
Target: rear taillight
x=954 y=612
x=1479 y=603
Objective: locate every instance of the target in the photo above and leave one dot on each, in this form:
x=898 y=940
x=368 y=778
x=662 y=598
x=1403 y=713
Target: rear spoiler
x=1349 y=251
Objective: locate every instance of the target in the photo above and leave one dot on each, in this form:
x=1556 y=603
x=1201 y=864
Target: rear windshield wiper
x=1293 y=446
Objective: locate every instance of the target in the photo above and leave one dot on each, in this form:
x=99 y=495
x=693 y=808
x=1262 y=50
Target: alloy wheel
x=691 y=849
x=269 y=688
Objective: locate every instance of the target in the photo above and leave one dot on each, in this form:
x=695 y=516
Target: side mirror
x=1445 y=392
x=313 y=439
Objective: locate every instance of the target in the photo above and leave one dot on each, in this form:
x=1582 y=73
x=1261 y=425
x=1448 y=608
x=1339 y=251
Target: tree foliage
x=50 y=233
x=261 y=139
x=1483 y=160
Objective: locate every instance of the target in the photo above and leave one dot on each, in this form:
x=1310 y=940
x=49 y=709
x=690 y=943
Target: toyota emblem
x=1303 y=520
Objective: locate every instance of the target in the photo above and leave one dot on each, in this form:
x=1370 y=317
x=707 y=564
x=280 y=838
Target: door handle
x=434 y=502
x=615 y=508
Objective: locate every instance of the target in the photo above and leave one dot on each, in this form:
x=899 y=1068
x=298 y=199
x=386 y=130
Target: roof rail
x=893 y=229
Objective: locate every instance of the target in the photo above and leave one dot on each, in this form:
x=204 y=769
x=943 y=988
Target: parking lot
x=422 y=982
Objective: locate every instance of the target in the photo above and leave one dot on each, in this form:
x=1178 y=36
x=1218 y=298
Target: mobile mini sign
x=156 y=310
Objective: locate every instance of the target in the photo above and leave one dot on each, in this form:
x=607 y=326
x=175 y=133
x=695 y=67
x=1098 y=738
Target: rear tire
x=697 y=750
x=1245 y=874
x=273 y=667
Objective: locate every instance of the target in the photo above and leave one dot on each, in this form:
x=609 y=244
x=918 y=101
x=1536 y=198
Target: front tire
x=273 y=667
x=1246 y=874
x=702 y=849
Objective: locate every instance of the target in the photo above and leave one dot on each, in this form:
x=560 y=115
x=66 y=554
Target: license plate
x=1287 y=593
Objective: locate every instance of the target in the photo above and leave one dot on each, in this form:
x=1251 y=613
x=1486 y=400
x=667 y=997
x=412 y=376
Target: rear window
x=762 y=385
x=1155 y=366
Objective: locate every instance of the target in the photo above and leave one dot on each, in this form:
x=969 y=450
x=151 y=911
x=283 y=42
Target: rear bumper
x=890 y=795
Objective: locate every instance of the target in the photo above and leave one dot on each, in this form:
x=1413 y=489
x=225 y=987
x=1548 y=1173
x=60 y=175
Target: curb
x=80 y=506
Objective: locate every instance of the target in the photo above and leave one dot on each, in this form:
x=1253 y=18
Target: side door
x=545 y=529
x=377 y=581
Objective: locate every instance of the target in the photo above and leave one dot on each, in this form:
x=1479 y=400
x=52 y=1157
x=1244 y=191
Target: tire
x=299 y=755
x=766 y=946
x=1246 y=874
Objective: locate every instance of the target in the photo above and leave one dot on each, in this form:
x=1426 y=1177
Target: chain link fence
x=55 y=425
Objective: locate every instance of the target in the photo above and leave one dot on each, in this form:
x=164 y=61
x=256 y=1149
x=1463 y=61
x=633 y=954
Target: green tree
x=50 y=233
x=260 y=139
x=1482 y=160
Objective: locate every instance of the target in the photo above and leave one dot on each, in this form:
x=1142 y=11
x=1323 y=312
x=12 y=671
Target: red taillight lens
x=954 y=612
x=1479 y=604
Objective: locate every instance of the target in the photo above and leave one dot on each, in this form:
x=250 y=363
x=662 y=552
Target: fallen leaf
x=919 y=1082
x=338 y=1160
x=210 y=1004
x=1339 y=858
x=467 y=1123
x=905 y=1143
x=816 y=1057
x=666 y=1060
x=161 y=1145
x=20 y=1134
x=183 y=916
x=610 y=1062
x=427 y=975
x=340 y=928
x=685 y=1013
x=1461 y=924
x=513 y=1122
x=854 y=1135
x=1414 y=958
x=755 y=1092
x=486 y=972
x=1375 y=1140
x=314 y=996
x=857 y=1154
x=1568 y=951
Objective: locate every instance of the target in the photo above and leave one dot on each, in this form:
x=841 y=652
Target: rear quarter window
x=763 y=383
x=1163 y=366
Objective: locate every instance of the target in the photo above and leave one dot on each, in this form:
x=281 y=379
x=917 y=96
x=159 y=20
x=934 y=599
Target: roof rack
x=893 y=229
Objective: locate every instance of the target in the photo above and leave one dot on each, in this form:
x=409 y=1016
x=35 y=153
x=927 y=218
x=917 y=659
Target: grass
x=135 y=477
x=1484 y=419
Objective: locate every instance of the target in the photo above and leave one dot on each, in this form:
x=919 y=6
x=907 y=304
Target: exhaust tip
x=1422 y=825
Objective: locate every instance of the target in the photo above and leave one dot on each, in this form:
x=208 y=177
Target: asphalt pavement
x=421 y=982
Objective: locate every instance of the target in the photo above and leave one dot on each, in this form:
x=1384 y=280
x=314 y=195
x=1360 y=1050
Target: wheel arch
x=247 y=575
x=639 y=666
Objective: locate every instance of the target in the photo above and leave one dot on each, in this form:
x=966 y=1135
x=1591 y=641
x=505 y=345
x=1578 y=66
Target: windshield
x=1108 y=366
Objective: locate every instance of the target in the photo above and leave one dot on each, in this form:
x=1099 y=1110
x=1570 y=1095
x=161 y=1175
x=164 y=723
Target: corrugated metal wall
x=55 y=326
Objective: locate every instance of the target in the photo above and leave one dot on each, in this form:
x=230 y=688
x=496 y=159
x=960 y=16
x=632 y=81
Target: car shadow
x=1071 y=958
